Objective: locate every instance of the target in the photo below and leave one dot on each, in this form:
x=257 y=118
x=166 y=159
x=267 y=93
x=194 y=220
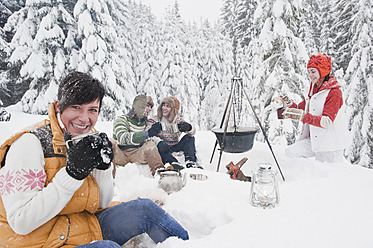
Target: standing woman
x=324 y=133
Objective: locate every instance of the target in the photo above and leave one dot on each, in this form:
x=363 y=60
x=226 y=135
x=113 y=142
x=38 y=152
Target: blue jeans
x=187 y=145
x=122 y=222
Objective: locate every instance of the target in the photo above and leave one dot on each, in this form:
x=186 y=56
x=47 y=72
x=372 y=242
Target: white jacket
x=334 y=138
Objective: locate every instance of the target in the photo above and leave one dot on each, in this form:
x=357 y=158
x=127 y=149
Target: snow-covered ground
x=321 y=205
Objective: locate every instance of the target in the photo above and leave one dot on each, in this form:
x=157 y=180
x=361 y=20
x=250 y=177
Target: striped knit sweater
x=129 y=131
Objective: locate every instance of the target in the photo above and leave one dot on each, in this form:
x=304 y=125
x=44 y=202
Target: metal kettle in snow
x=171 y=180
x=264 y=187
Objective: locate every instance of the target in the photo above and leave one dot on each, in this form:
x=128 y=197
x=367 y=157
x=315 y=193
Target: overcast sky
x=190 y=9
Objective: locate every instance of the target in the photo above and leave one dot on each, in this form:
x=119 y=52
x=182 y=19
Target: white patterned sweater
x=27 y=202
x=170 y=132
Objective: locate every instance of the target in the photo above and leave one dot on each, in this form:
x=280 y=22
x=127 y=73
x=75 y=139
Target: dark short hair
x=79 y=88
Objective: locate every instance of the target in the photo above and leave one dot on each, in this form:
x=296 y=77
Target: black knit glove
x=107 y=153
x=184 y=126
x=155 y=129
x=84 y=156
x=163 y=147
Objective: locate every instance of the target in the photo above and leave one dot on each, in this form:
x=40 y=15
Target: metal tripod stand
x=225 y=120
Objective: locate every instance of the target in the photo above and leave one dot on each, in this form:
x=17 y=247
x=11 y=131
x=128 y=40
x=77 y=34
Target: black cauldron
x=237 y=139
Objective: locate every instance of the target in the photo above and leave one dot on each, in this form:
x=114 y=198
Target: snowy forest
x=267 y=43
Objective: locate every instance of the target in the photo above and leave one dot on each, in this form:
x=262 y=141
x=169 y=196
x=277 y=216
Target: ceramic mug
x=280 y=113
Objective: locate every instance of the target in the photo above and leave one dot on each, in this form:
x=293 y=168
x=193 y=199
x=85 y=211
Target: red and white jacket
x=323 y=103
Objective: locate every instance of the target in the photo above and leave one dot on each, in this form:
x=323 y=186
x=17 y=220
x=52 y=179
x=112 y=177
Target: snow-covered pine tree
x=173 y=57
x=313 y=17
x=5 y=93
x=170 y=46
x=7 y=7
x=48 y=42
x=359 y=93
x=229 y=17
x=37 y=51
x=306 y=31
x=216 y=71
x=144 y=31
x=101 y=53
x=237 y=19
x=326 y=20
x=190 y=90
x=344 y=11
x=231 y=12
x=12 y=89
x=243 y=27
x=278 y=64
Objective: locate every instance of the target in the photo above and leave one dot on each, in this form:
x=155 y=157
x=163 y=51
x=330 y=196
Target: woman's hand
x=281 y=101
x=293 y=113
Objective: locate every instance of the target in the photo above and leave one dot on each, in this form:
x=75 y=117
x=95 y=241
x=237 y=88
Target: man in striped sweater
x=131 y=142
x=168 y=139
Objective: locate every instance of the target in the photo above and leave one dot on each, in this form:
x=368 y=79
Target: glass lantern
x=264 y=187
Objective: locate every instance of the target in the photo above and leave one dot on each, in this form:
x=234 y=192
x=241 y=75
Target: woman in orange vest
x=56 y=181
